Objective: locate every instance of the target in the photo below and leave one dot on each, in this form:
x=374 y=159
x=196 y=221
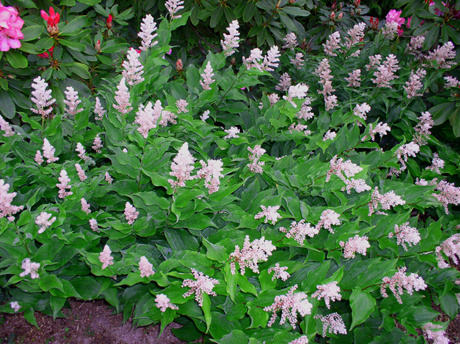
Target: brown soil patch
x=86 y=322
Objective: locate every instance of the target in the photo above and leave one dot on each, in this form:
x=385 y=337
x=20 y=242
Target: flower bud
x=334 y=5
x=97 y=46
x=358 y=11
x=292 y=2
x=340 y=16
x=356 y=3
x=179 y=65
x=108 y=23
x=332 y=16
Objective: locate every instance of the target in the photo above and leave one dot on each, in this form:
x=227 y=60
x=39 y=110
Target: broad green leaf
x=206 y=307
x=362 y=305
x=31 y=32
x=16 y=59
x=75 y=25
x=258 y=316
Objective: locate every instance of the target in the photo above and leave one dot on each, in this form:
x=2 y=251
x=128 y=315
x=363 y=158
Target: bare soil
x=86 y=322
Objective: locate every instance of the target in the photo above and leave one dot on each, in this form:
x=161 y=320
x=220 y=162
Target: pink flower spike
x=130 y=213
x=105 y=257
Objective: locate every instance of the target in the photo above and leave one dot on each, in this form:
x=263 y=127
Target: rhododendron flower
x=10 y=28
x=105 y=257
x=328 y=292
x=401 y=282
x=162 y=302
x=52 y=21
x=270 y=214
x=145 y=267
x=289 y=305
x=30 y=268
x=251 y=254
x=109 y=21
x=203 y=285
x=44 y=220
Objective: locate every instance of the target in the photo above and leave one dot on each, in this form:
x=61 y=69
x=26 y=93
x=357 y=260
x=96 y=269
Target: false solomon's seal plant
x=281 y=199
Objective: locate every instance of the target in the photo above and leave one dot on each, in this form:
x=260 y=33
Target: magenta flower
x=52 y=21
x=10 y=28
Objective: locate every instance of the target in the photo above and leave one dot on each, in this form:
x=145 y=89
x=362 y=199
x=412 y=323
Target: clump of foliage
x=283 y=197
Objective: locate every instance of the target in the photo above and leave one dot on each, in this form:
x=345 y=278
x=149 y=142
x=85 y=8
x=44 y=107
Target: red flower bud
x=52 y=21
x=109 y=22
x=179 y=65
x=97 y=46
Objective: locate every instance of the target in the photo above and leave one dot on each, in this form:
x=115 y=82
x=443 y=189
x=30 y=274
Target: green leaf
x=362 y=305
x=198 y=222
x=418 y=316
x=215 y=252
x=32 y=32
x=44 y=44
x=77 y=46
x=258 y=316
x=245 y=285
x=30 y=317
x=206 y=307
x=7 y=108
x=50 y=281
x=231 y=280
x=234 y=337
x=74 y=26
x=89 y=2
x=16 y=59
x=26 y=4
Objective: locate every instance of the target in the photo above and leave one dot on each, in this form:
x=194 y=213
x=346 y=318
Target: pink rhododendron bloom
x=10 y=28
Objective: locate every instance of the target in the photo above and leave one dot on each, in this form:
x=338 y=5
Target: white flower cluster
x=442 y=54
x=41 y=97
x=406 y=235
x=436 y=164
x=99 y=110
x=435 y=333
x=401 y=282
x=6 y=208
x=251 y=254
x=122 y=98
x=300 y=230
x=207 y=77
x=231 y=40
x=385 y=72
x=449 y=194
x=451 y=249
x=9 y=131
x=328 y=292
x=289 y=305
x=30 y=268
x=290 y=41
x=211 y=172
x=130 y=213
x=174 y=6
x=355 y=244
x=148 y=27
x=345 y=170
x=105 y=257
x=72 y=101
x=203 y=285
x=386 y=201
x=48 y=153
x=43 y=220
x=63 y=185
x=145 y=268
x=162 y=302
x=354 y=78
x=256 y=153
x=270 y=214
x=182 y=167
x=279 y=272
x=328 y=218
x=133 y=68
x=332 y=323
x=263 y=63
